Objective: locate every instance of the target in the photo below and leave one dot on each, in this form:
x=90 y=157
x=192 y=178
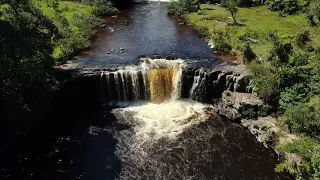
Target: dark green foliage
x=290 y=80
x=265 y=82
x=104 y=8
x=248 y=53
x=308 y=160
x=302 y=38
x=280 y=52
x=305 y=118
x=285 y=6
x=25 y=53
x=313 y=13
x=221 y=41
x=202 y=30
x=183 y=6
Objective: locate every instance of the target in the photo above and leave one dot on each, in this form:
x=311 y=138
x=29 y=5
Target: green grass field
x=259 y=20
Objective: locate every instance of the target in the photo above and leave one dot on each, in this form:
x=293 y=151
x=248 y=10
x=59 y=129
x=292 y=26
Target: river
x=143 y=30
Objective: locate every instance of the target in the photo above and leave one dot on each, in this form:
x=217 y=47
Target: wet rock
x=242 y=83
x=108 y=52
x=229 y=112
x=111 y=50
x=103 y=26
x=121 y=49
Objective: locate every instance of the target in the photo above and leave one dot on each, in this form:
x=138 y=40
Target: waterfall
x=199 y=86
x=157 y=80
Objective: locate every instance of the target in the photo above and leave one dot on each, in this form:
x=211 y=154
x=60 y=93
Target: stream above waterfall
x=143 y=30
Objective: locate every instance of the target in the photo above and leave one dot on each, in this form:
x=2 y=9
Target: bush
x=248 y=53
x=220 y=39
x=183 y=7
x=302 y=38
x=304 y=118
x=306 y=164
x=203 y=30
x=285 y=6
x=313 y=13
x=265 y=82
x=280 y=52
x=104 y=8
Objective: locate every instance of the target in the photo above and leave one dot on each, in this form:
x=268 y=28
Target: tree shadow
x=73 y=142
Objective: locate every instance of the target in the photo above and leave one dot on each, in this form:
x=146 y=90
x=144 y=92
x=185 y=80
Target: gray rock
x=229 y=112
x=245 y=104
x=242 y=82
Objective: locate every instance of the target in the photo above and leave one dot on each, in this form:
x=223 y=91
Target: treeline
x=36 y=35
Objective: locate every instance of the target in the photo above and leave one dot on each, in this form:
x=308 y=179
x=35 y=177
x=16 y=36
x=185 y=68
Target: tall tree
x=232 y=7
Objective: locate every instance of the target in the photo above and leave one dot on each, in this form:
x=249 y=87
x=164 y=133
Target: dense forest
x=279 y=41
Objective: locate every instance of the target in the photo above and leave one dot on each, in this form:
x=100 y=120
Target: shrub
x=183 y=7
x=313 y=13
x=104 y=8
x=265 y=82
x=203 y=30
x=220 y=39
x=248 y=53
x=305 y=164
x=285 y=6
x=305 y=118
x=302 y=38
x=280 y=52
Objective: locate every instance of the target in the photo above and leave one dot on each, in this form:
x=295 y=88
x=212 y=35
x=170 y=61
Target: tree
x=314 y=13
x=25 y=53
x=232 y=7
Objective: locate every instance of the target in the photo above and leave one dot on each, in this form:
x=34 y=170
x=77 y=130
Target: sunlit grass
x=259 y=19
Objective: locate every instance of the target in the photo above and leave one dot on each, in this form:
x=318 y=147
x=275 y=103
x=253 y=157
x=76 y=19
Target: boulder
x=242 y=83
x=242 y=105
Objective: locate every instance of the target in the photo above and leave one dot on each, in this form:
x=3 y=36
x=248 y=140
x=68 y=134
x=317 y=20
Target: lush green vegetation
x=183 y=6
x=25 y=53
x=76 y=23
x=279 y=42
x=34 y=36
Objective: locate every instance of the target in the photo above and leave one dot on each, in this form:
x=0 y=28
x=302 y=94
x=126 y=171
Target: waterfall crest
x=156 y=80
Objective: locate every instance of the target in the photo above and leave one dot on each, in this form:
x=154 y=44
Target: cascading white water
x=155 y=80
x=165 y=117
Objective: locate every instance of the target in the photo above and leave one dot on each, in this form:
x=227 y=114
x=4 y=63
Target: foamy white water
x=153 y=121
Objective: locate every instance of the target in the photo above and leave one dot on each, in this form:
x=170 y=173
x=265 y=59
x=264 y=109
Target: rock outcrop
x=236 y=106
x=268 y=131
